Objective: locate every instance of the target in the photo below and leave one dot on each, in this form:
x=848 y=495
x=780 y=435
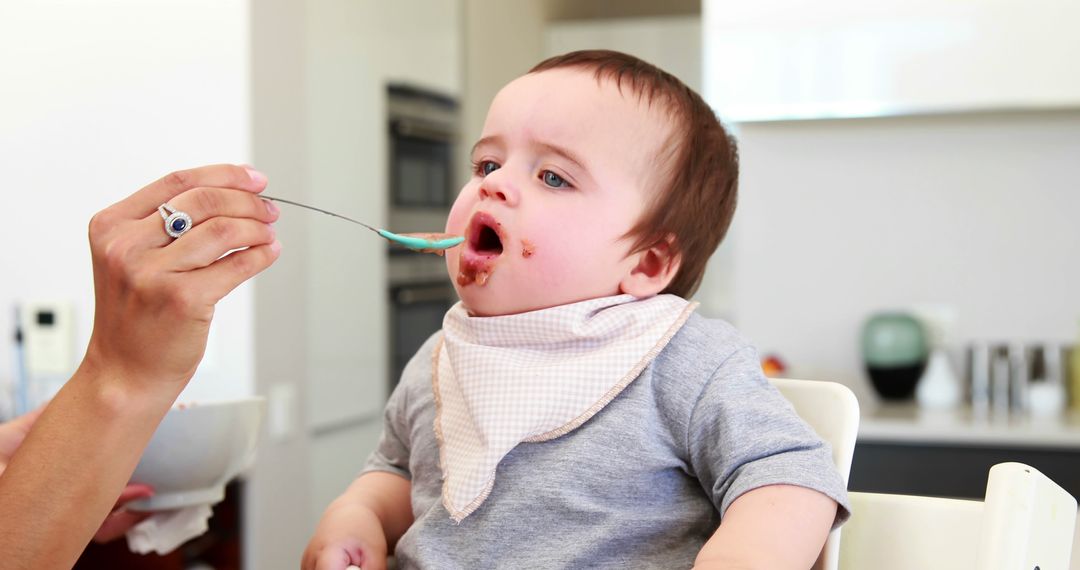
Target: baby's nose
x=493 y=193
x=499 y=190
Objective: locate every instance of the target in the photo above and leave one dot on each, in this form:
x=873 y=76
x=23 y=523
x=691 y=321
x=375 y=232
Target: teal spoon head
x=434 y=243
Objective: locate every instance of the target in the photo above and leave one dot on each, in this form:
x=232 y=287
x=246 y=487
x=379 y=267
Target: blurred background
x=907 y=222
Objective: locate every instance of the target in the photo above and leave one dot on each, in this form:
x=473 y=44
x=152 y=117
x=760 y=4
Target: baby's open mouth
x=485 y=235
x=484 y=240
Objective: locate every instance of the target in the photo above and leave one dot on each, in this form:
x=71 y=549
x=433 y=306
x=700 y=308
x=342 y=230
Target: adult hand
x=155 y=298
x=155 y=295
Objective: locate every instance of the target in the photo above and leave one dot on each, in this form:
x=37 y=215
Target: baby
x=574 y=411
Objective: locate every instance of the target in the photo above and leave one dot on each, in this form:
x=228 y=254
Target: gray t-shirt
x=642 y=484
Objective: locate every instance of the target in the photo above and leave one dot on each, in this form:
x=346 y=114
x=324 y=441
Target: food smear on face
x=474 y=270
x=483 y=248
x=527 y=248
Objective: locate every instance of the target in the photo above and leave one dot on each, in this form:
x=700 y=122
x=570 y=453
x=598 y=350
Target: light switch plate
x=281 y=420
x=48 y=332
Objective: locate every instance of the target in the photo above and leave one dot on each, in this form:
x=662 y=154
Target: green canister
x=894 y=352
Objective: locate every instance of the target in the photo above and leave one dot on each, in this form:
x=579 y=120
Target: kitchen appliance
x=424 y=131
x=423 y=127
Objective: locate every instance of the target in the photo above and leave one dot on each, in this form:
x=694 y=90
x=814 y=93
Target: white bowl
x=197 y=450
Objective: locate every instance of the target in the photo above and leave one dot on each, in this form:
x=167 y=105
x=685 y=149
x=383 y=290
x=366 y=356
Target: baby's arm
x=362 y=525
x=769 y=475
x=774 y=527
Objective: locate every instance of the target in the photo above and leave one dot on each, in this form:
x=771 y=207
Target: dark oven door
x=421 y=165
x=416 y=311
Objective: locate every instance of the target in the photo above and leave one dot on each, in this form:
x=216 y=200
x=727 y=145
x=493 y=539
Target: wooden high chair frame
x=1025 y=522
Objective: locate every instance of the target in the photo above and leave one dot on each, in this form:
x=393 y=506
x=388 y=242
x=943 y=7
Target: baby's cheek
x=552 y=260
x=459 y=212
x=455 y=222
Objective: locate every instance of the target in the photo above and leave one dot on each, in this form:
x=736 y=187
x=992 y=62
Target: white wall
x=672 y=43
x=277 y=494
x=955 y=207
x=840 y=218
x=784 y=59
x=98 y=99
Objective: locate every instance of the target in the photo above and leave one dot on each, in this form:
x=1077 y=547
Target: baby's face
x=564 y=168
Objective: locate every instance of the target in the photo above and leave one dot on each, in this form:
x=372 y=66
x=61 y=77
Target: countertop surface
x=908 y=424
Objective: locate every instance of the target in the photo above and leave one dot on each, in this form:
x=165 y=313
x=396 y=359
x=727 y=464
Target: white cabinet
x=671 y=42
x=792 y=59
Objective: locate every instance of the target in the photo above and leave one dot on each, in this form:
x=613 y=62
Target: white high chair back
x=832 y=410
x=1026 y=522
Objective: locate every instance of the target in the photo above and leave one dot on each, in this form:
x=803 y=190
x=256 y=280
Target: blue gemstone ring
x=176 y=222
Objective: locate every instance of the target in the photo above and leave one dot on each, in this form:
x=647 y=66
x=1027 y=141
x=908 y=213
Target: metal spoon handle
x=329 y=213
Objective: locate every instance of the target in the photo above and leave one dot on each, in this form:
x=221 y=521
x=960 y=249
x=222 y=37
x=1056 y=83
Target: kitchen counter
x=906 y=423
x=902 y=449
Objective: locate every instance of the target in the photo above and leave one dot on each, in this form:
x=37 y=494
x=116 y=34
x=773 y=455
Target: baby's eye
x=486 y=167
x=553 y=180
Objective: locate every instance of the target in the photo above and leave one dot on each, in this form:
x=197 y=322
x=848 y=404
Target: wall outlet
x=281 y=420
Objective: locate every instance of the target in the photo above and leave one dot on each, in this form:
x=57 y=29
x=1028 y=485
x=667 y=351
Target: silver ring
x=177 y=223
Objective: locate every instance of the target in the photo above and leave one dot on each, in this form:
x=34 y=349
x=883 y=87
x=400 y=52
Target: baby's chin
x=489 y=300
x=483 y=303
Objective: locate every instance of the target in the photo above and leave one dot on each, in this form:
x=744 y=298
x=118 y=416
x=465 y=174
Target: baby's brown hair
x=698 y=200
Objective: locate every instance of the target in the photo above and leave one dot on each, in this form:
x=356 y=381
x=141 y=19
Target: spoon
x=425 y=243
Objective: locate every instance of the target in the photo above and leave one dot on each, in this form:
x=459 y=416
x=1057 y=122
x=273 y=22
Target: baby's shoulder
x=705 y=351
x=700 y=347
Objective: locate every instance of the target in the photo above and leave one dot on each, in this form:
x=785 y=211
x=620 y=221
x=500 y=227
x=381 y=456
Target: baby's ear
x=654 y=270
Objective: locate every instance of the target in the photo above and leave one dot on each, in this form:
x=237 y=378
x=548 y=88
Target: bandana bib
x=530 y=377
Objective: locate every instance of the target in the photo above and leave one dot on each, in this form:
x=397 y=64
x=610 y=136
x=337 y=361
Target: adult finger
x=24 y=422
x=210 y=240
x=145 y=201
x=13 y=433
x=132 y=492
x=222 y=276
x=120 y=520
x=117 y=524
x=203 y=204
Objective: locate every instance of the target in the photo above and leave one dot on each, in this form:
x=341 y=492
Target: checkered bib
x=530 y=377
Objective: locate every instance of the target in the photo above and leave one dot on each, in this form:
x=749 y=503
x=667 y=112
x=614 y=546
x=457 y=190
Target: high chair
x=833 y=412
x=1026 y=522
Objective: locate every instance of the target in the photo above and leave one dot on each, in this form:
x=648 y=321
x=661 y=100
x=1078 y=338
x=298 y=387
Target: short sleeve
x=743 y=435
x=392 y=452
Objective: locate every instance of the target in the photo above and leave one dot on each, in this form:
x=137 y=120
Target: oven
x=423 y=129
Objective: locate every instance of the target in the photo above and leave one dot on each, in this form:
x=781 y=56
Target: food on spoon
x=426 y=237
